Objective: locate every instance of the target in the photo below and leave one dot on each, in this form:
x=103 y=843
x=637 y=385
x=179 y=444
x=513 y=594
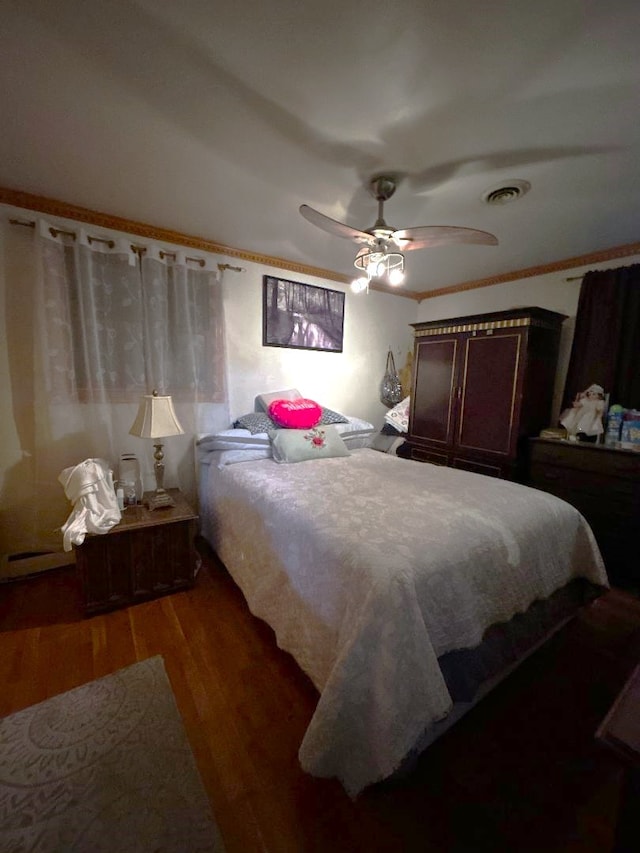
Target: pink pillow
x=295 y=414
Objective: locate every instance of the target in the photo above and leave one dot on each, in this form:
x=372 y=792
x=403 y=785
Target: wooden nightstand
x=145 y=555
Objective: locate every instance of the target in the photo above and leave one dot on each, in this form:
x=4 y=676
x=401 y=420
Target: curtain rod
x=575 y=277
x=223 y=267
x=200 y=261
x=111 y=243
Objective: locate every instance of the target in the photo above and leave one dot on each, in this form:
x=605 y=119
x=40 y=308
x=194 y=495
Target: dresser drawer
x=602 y=485
x=623 y=464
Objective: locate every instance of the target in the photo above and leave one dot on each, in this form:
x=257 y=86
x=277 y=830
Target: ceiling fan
x=382 y=248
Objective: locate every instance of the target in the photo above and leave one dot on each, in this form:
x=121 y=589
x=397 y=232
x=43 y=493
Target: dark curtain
x=606 y=343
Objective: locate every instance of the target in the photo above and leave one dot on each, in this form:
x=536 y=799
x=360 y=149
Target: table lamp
x=156 y=419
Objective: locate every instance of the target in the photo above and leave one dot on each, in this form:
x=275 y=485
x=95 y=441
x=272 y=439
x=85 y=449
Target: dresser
x=482 y=385
x=604 y=484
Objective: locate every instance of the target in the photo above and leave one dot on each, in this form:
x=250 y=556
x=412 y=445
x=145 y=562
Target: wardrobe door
x=433 y=410
x=491 y=385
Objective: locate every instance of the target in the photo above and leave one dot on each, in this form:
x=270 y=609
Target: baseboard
x=16 y=566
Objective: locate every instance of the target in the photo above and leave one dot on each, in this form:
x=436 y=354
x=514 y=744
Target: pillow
x=399 y=415
x=233 y=439
x=230 y=457
x=264 y=400
x=354 y=440
x=301 y=445
x=387 y=429
x=387 y=443
x=354 y=424
x=295 y=414
x=256 y=422
x=356 y=433
x=331 y=417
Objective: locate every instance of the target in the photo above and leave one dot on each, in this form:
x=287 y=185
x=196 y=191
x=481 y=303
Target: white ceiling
x=218 y=119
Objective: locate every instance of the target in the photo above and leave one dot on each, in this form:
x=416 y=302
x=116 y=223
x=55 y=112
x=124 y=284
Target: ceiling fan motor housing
x=382 y=187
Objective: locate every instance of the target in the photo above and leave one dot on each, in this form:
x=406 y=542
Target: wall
x=551 y=291
x=347 y=381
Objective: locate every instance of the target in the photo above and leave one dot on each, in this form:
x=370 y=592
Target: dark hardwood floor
x=521 y=772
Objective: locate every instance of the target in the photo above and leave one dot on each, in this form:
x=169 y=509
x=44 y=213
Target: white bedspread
x=369 y=567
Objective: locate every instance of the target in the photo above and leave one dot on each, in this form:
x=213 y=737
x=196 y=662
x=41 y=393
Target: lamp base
x=159 y=500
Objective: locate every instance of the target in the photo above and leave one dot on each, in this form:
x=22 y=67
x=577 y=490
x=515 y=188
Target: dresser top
x=588 y=446
x=134 y=517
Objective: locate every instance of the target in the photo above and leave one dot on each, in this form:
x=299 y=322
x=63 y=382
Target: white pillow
x=387 y=443
x=220 y=458
x=355 y=440
x=357 y=433
x=233 y=439
x=354 y=424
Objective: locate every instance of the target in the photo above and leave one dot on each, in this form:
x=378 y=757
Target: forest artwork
x=301 y=316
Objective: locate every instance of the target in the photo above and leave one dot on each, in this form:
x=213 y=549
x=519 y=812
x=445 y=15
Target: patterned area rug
x=105 y=767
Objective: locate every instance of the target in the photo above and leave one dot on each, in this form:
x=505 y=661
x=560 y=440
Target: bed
x=404 y=590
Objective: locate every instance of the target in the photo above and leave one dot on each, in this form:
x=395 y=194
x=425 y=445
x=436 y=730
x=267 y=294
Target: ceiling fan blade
x=440 y=235
x=332 y=226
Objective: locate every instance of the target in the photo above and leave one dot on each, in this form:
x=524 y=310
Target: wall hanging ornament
x=391 y=388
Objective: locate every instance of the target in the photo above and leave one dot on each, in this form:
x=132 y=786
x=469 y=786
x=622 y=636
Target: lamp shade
x=156 y=418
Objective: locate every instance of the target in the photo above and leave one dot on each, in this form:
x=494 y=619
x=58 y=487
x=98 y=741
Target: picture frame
x=301 y=316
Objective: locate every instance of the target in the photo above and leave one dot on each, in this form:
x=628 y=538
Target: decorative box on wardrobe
x=482 y=385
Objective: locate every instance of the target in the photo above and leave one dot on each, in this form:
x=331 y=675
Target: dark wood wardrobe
x=483 y=385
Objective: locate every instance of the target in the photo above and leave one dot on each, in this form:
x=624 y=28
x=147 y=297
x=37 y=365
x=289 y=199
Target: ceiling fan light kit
x=381 y=255
x=378 y=261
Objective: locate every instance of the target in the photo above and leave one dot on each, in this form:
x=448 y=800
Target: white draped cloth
x=89 y=487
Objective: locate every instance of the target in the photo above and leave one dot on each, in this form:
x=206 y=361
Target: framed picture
x=301 y=316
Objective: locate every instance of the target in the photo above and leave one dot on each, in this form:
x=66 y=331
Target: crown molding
x=65 y=210
x=623 y=251
x=54 y=207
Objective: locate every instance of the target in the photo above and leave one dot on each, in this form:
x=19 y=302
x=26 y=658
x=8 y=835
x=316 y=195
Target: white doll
x=585 y=414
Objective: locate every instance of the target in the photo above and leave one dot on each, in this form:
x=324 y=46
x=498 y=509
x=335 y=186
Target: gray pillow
x=256 y=422
x=288 y=394
x=331 y=417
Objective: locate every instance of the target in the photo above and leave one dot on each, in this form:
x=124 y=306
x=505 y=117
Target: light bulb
x=359 y=284
x=396 y=276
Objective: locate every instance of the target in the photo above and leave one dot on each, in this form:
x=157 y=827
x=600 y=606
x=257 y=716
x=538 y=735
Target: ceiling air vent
x=507 y=192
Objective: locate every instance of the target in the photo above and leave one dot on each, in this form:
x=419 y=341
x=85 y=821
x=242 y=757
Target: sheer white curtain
x=113 y=324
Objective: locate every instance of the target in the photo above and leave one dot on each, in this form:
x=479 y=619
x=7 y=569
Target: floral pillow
x=295 y=414
x=398 y=417
x=301 y=445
